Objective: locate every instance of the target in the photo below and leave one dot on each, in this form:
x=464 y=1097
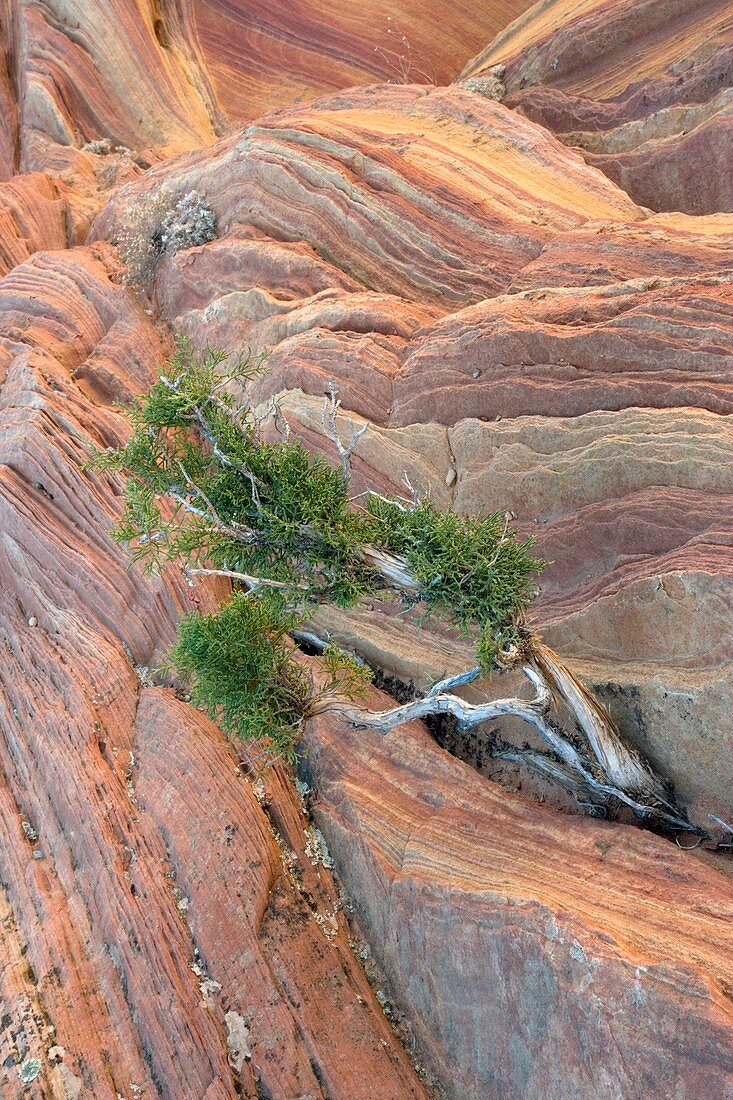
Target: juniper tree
x=209 y=488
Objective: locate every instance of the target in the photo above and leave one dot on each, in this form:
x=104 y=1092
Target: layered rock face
x=538 y=955
x=595 y=347
x=262 y=56
x=642 y=89
x=156 y=936
x=522 y=333
x=151 y=82
x=83 y=72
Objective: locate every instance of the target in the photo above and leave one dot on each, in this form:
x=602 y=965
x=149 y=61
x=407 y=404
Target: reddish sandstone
x=264 y=57
x=154 y=936
x=535 y=954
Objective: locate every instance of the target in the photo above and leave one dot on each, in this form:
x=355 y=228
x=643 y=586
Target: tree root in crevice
x=604 y=767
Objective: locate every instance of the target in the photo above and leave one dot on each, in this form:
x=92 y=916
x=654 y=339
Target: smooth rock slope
x=644 y=90
x=537 y=955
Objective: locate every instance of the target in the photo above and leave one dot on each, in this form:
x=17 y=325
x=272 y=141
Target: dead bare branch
x=472 y=714
x=244 y=578
x=723 y=824
x=570 y=768
x=451 y=682
x=309 y=638
x=331 y=406
x=547 y=764
x=620 y=764
x=393 y=569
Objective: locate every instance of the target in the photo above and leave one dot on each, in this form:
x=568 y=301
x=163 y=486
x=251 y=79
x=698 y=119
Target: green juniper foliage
x=346 y=676
x=207 y=488
x=474 y=570
x=239 y=667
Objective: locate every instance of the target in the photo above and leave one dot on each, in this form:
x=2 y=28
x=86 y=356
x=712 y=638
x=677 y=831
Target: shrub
x=239 y=668
x=207 y=489
x=160 y=224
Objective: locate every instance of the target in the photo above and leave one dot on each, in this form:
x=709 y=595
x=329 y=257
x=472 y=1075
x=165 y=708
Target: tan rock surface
x=406 y=189
x=39 y=212
x=536 y=955
x=442 y=258
x=262 y=57
x=643 y=89
x=8 y=110
x=668 y=245
x=347 y=228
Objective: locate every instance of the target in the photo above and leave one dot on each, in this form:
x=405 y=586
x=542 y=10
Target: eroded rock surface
x=262 y=57
x=434 y=195
x=89 y=71
x=522 y=334
x=643 y=89
x=113 y=79
x=586 y=387
x=558 y=351
x=536 y=955
x=632 y=511
x=156 y=936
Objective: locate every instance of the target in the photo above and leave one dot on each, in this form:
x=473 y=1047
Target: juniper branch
x=331 y=405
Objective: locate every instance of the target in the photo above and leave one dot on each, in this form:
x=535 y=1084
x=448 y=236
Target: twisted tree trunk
x=606 y=765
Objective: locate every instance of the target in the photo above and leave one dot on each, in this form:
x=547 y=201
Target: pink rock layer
x=595 y=352
x=264 y=56
x=536 y=955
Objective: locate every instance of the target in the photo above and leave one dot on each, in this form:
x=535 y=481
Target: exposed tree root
x=621 y=764
x=607 y=767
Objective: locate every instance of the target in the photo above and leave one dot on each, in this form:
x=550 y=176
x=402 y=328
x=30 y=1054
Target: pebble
x=33 y=621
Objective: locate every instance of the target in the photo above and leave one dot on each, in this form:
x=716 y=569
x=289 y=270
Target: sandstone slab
x=406 y=189
x=631 y=510
x=156 y=935
x=565 y=351
x=91 y=71
x=8 y=118
x=263 y=58
x=672 y=245
x=534 y=955
x=501 y=310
